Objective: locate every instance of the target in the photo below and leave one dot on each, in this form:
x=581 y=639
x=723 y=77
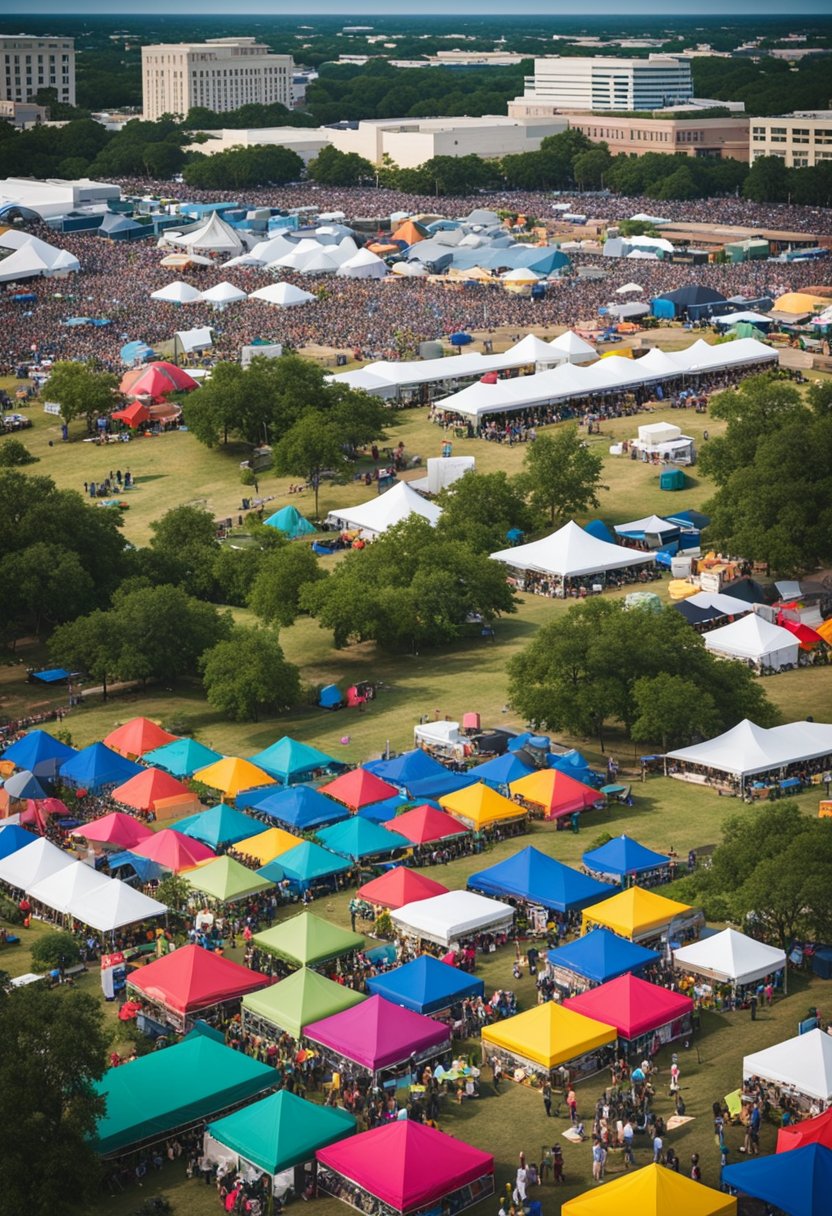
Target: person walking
x=627 y=1140
x=599 y=1157
x=572 y=1103
x=547 y=1098
x=496 y=1073
x=658 y=1146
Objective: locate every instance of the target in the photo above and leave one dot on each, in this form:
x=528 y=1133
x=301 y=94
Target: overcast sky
x=462 y=8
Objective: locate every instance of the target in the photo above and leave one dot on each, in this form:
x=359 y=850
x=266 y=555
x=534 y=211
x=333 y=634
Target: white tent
x=734 y=318
x=295 y=260
x=245 y=259
x=659 y=365
x=214 y=236
x=32 y=863
x=390 y=508
x=628 y=289
x=655 y=433
x=519 y=275
x=24 y=263
x=284 y=295
x=730 y=957
x=178 y=292
x=570 y=553
x=802 y=1064
x=189 y=340
x=650 y=525
x=66 y=890
x=222 y=294
x=342 y=251
x=448 y=918
x=443 y=471
x=116 y=905
x=367 y=381
x=363 y=265
x=410 y=270
x=729 y=605
x=322 y=262
x=535 y=350
x=756 y=640
x=747 y=749
x=268 y=251
x=575 y=348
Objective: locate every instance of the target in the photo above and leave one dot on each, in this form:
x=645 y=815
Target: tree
x=561 y=475
x=334 y=168
x=248 y=675
x=187 y=536
x=672 y=711
x=310 y=447
x=14 y=454
x=89 y=643
x=163 y=632
x=44 y=583
x=276 y=591
x=219 y=405
x=55 y=950
x=768 y=180
x=589 y=167
x=79 y=390
x=480 y=508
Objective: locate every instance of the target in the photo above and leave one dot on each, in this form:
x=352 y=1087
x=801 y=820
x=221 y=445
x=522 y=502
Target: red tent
x=38 y=811
x=145 y=789
x=809 y=1131
x=173 y=851
x=557 y=792
x=117 y=829
x=400 y=886
x=425 y=824
x=156 y=381
x=134 y=414
x=804 y=634
x=358 y=788
x=138 y=736
x=193 y=978
x=632 y=1005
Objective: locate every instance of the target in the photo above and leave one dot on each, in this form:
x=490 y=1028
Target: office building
x=720 y=138
x=221 y=74
x=603 y=83
x=22 y=113
x=29 y=63
x=410 y=142
x=802 y=140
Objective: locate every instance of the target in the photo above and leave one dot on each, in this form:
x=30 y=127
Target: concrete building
x=221 y=74
x=802 y=139
x=409 y=142
x=22 y=113
x=306 y=141
x=54 y=196
x=601 y=82
x=29 y=63
x=715 y=137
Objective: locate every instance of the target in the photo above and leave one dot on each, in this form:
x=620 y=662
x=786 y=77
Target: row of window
x=799 y=135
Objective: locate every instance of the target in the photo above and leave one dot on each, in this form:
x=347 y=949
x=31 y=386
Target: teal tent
x=358 y=837
x=182 y=758
x=221 y=825
x=290 y=521
x=281 y=1131
x=672 y=479
x=288 y=760
x=305 y=864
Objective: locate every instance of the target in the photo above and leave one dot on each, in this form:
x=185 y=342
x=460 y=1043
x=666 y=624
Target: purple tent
x=378 y=1035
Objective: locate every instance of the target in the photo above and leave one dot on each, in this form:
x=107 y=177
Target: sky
x=462 y=8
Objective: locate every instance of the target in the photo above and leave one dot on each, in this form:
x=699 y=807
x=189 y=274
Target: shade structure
x=302 y=998
x=440 y=784
x=299 y=808
x=288 y=760
x=182 y=758
x=12 y=838
x=797 y=1183
x=425 y=825
x=225 y=880
x=222 y=294
x=601 y=955
x=27 y=866
x=576 y=349
x=307 y=864
x=308 y=940
x=453 y=917
x=66 y=890
x=39 y=753
x=413 y=765
x=394 y=505
x=425 y=985
x=267 y=845
x=501 y=771
x=189 y=1081
x=652 y=1191
x=478 y=806
x=803 y=1063
x=357 y=788
x=116 y=829
x=97 y=767
x=622 y=857
x=281 y=1130
x=384 y=812
x=173 y=851
x=290 y=521
x=115 y=905
x=231 y=774
x=730 y=957
x=633 y=1006
x=157 y=381
x=748 y=749
x=409 y=1166
x=193 y=979
x=284 y=295
x=378 y=1035
x=148 y=787
x=556 y=792
x=548 y=1035
x=571 y=553
x=133 y=415
x=539 y=879
x=356 y=838
x=808 y=1131
x=177 y=292
x=220 y=825
x=400 y=886
x=755 y=639
x=634 y=912
x=24 y=784
x=138 y=736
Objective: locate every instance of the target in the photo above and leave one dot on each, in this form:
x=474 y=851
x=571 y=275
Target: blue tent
x=623 y=856
x=689 y=519
x=14 y=837
x=798 y=1183
x=415 y=765
x=425 y=985
x=142 y=867
x=598 y=529
x=39 y=753
x=527 y=739
x=331 y=697
x=135 y=352
x=501 y=770
x=287 y=759
x=539 y=879
x=182 y=758
x=601 y=955
x=221 y=825
x=357 y=837
x=384 y=811
x=305 y=864
x=574 y=765
x=461 y=339
x=52 y=675
x=96 y=767
x=297 y=808
x=290 y=521
x=441 y=784
x=24 y=784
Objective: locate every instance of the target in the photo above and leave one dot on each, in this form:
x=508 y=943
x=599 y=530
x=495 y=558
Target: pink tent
x=358 y=788
x=633 y=1006
x=117 y=829
x=173 y=851
x=377 y=1034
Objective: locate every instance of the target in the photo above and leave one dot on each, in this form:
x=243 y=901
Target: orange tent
x=142 y=791
x=409 y=233
x=138 y=736
x=556 y=792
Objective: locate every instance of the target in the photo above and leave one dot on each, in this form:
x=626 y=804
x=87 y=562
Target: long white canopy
x=32 y=863
x=730 y=957
x=756 y=639
x=389 y=508
x=571 y=552
x=116 y=905
x=747 y=749
x=803 y=1063
x=67 y=889
x=448 y=918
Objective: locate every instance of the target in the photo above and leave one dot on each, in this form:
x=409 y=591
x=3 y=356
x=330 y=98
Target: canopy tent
x=33 y=257
x=299 y=808
x=281 y=1131
x=220 y=825
x=575 y=348
x=149 y=1098
x=798 y=303
x=601 y=955
x=622 y=856
x=357 y=788
x=39 y=753
x=264 y=846
x=425 y=985
x=213 y=236
x=501 y=770
x=192 y=980
x=539 y=879
x=287 y=760
x=182 y=757
x=377 y=1035
x=149 y=787
x=556 y=792
x=425 y=825
x=413 y=765
x=440 y=785
x=649 y=528
x=116 y=905
x=177 y=292
x=797 y=1183
x=116 y=829
x=231 y=775
x=531 y=348
x=575 y=764
x=97 y=767
x=478 y=806
x=27 y=866
x=652 y=1191
x=386 y=811
x=409 y=1167
x=191 y=341
x=67 y=889
x=307 y=864
x=173 y=851
x=223 y=294
x=808 y=1131
x=571 y=553
x=357 y=837
x=373 y=518
x=730 y=957
x=746 y=749
x=803 y=1063
x=23 y=784
x=302 y=998
x=363 y=265
x=12 y=838
x=547 y=1035
x=226 y=880
x=284 y=295
x=157 y=381
x=634 y=913
x=308 y=941
x=133 y=415
x=636 y=1008
x=400 y=886
x=757 y=640
x=453 y=917
x=290 y=521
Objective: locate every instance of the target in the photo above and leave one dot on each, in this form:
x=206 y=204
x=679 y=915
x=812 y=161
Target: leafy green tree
x=164 y=632
x=760 y=405
x=561 y=475
x=236 y=569
x=480 y=508
x=589 y=167
x=44 y=584
x=248 y=675
x=768 y=180
x=188 y=536
x=672 y=711
x=54 y=950
x=311 y=447
x=79 y=390
x=14 y=454
x=89 y=644
x=276 y=591
x=332 y=167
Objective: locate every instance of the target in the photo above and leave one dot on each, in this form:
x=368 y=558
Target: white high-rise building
x=604 y=83
x=29 y=63
x=221 y=74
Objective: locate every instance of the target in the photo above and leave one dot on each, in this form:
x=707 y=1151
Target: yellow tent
x=548 y=1035
x=652 y=1191
x=632 y=913
x=825 y=630
x=265 y=846
x=479 y=806
x=231 y=774
x=797 y=302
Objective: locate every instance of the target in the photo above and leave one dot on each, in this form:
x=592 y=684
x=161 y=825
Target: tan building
x=306 y=141
x=720 y=138
x=23 y=113
x=409 y=142
x=802 y=140
x=221 y=74
x=29 y=63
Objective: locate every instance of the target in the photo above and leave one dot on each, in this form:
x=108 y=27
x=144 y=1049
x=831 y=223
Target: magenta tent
x=377 y=1036
x=408 y=1166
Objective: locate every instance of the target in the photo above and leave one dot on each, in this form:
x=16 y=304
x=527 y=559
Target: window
x=758 y=134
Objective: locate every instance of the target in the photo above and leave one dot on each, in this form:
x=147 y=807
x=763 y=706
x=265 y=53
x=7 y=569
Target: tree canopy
x=248 y=674
x=480 y=508
x=283 y=573
x=561 y=476
x=81 y=391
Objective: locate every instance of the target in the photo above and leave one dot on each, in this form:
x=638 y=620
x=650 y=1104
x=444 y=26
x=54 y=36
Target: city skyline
x=378 y=8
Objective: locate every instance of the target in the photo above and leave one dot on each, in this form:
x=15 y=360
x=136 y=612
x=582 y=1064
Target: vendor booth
x=97 y=768
x=24 y=867
x=550 y=1042
x=38 y=753
x=358 y=838
x=298 y=808
x=291 y=1005
x=225 y=880
x=308 y=941
x=652 y=1191
x=220 y=826
x=799 y=1070
x=623 y=861
x=406 y=1168
x=192 y=983
x=729 y=959
x=138 y=736
x=458 y=917
x=288 y=761
x=413 y=765
x=645 y=916
x=797 y=1183
x=263 y=847
x=566 y=555
x=307 y=867
x=425 y=825
x=748 y=752
x=183 y=757
x=808 y=1131
x=358 y=788
x=398 y=887
x=595 y=958
x=540 y=882
x=479 y=807
x=555 y=793
x=645 y=1015
x=426 y=986
x=114 y=831
x=756 y=641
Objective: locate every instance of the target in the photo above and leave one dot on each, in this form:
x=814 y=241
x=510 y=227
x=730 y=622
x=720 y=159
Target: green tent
x=672 y=479
x=290 y=521
x=150 y=1098
x=226 y=879
x=281 y=1131
x=307 y=940
x=744 y=329
x=301 y=998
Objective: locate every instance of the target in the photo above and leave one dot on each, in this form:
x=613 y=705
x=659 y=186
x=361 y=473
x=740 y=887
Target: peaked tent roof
x=632 y=1005
x=221 y=825
x=306 y=940
x=147 y=787
x=39 y=753
x=439 y=784
x=549 y=1034
x=116 y=829
x=623 y=855
x=447 y=918
x=223 y=293
x=194 y=978
x=571 y=552
x=307 y=862
x=425 y=824
x=730 y=956
x=358 y=788
x=540 y=879
x=289 y=520
x=23 y=784
x=177 y=292
x=557 y=792
x=264 y=846
x=27 y=866
x=183 y=757
x=173 y=850
x=358 y=837
x=226 y=879
x=747 y=749
x=601 y=955
x=300 y=999
x=652 y=1191
x=480 y=805
x=12 y=838
x=400 y=886
x=284 y=295
x=287 y=758
x=634 y=911
x=214 y=236
x=425 y=985
x=751 y=637
x=808 y=1131
x=301 y=807
x=572 y=345
x=116 y=905
x=282 y=1130
x=649 y=525
x=97 y=766
x=66 y=890
x=388 y=509
x=231 y=775
x=804 y=1062
x=377 y=1034
x=413 y=765
x=797 y=1183
x=138 y=736
x=501 y=770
